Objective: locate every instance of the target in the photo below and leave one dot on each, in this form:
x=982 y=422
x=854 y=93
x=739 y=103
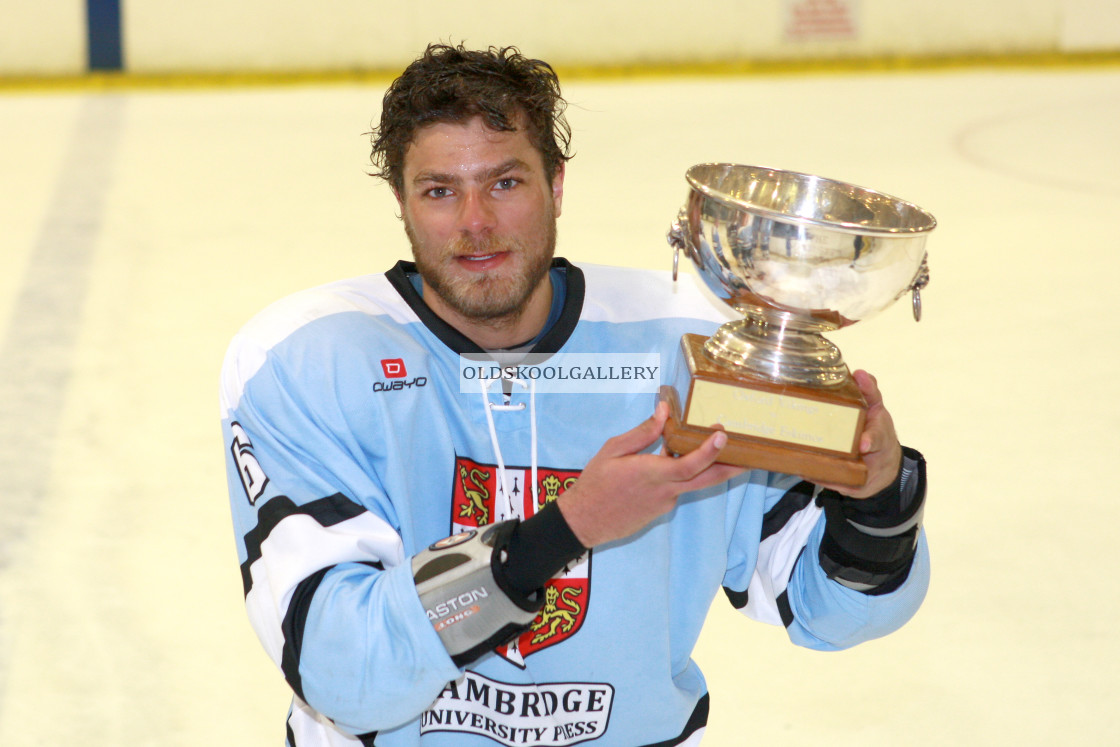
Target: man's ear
x=400 y=203
x=558 y=188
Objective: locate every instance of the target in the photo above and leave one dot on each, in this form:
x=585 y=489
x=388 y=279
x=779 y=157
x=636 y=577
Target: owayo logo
x=395 y=369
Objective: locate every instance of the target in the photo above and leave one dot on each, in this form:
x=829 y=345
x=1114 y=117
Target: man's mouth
x=482 y=262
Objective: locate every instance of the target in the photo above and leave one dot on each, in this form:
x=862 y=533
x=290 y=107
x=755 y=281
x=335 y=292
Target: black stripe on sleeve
x=784 y=608
x=328 y=511
x=295 y=621
x=738 y=599
x=698 y=720
x=795 y=499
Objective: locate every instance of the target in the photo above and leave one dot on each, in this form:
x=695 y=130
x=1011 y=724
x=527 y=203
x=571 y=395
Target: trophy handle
x=678 y=239
x=921 y=280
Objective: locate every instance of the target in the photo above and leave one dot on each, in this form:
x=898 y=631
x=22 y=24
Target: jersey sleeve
x=328 y=588
x=784 y=583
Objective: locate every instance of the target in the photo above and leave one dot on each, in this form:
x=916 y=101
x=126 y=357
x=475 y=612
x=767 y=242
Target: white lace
x=508 y=511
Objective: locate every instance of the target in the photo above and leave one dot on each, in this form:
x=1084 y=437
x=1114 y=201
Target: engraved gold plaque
x=781 y=427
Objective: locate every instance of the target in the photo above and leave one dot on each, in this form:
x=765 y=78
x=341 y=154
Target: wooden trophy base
x=812 y=432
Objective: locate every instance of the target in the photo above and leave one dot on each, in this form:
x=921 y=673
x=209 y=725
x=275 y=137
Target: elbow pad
x=463 y=587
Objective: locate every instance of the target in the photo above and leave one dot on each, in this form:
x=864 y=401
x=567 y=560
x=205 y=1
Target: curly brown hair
x=454 y=84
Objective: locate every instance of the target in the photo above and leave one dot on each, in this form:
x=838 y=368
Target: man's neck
x=502 y=332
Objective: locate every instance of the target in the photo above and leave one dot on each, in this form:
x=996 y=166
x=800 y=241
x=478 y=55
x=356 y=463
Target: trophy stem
x=779 y=346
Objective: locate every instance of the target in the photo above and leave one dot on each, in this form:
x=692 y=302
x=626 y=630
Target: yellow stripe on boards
x=96 y=81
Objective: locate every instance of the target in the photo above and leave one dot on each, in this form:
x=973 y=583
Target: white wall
x=1090 y=24
x=42 y=37
x=264 y=35
x=220 y=34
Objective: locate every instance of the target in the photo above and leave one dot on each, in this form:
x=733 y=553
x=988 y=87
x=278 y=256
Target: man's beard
x=487 y=297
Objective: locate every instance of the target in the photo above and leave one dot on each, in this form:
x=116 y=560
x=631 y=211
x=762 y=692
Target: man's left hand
x=878 y=445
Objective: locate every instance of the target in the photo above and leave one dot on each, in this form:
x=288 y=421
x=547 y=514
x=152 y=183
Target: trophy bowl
x=798 y=255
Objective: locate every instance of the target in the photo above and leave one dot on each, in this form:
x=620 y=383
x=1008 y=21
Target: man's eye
x=508 y=183
x=438 y=192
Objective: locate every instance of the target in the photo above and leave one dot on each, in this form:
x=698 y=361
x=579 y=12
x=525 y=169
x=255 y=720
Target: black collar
x=552 y=341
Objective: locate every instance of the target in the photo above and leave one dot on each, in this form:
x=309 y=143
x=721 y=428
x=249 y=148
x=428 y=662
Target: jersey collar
x=552 y=340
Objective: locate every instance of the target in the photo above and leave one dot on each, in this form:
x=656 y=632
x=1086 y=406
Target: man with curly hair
x=431 y=560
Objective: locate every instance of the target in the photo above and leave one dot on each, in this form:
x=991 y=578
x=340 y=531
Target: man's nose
x=476 y=213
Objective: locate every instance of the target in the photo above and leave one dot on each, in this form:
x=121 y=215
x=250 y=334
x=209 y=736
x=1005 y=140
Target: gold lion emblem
x=476 y=497
x=551 y=486
x=553 y=617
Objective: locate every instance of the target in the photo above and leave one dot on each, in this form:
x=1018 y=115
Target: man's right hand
x=622 y=490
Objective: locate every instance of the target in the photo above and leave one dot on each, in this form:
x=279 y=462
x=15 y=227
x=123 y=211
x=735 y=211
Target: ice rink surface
x=141 y=228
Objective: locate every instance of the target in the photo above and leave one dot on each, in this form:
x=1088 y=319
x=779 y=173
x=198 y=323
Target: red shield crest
x=484 y=494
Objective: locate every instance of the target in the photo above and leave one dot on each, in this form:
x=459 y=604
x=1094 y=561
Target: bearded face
x=480 y=214
x=489 y=290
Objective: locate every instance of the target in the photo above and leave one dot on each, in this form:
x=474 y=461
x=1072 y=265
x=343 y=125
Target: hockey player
x=436 y=561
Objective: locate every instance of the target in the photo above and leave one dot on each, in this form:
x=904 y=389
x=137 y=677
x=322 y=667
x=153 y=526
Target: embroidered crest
x=480 y=497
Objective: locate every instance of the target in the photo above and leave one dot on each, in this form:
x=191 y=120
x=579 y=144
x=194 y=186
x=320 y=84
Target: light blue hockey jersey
x=352 y=443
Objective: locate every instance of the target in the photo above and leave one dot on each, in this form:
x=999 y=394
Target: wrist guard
x=869 y=544
x=463 y=588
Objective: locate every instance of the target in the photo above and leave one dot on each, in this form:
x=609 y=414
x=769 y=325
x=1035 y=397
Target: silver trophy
x=798 y=255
